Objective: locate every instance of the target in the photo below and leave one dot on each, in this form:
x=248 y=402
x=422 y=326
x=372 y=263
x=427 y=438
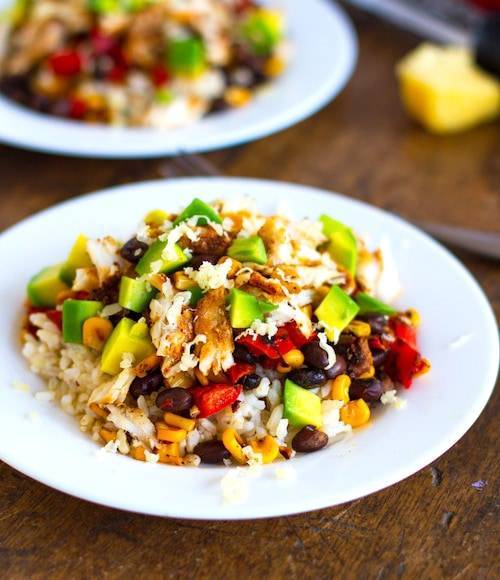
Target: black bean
x=314 y=355
x=337 y=369
x=309 y=439
x=133 y=250
x=251 y=381
x=242 y=354
x=377 y=322
x=369 y=390
x=308 y=378
x=211 y=452
x=379 y=356
x=219 y=105
x=175 y=400
x=198 y=259
x=146 y=385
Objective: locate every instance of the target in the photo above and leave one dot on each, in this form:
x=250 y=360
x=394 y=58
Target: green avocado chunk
x=198 y=208
x=262 y=30
x=301 y=407
x=44 y=287
x=75 y=313
x=370 y=305
x=343 y=246
x=196 y=295
x=186 y=56
x=147 y=264
x=244 y=308
x=78 y=258
x=335 y=312
x=127 y=337
x=250 y=249
x=135 y=294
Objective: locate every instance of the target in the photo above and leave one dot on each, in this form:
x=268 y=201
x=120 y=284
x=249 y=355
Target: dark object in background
x=488 y=45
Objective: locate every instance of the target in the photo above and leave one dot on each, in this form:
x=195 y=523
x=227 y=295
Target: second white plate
x=324 y=54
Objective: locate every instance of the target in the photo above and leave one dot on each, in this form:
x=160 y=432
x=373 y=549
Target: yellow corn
x=359 y=328
x=283 y=368
x=107 y=435
x=355 y=413
x=178 y=421
x=156 y=217
x=181 y=379
x=274 y=66
x=95 y=332
x=294 y=358
x=426 y=367
x=170 y=434
x=234 y=444
x=202 y=379
x=267 y=447
x=157 y=280
x=94 y=407
x=414 y=316
x=237 y=96
x=138 y=453
x=340 y=388
x=307 y=310
x=370 y=373
x=171 y=449
x=147 y=365
x=183 y=282
x=169 y=459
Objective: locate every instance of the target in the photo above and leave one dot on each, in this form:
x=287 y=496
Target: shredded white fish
x=189 y=360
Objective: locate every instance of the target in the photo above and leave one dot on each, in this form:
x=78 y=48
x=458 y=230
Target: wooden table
x=434 y=524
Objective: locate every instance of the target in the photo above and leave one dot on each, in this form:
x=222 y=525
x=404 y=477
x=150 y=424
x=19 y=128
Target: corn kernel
x=147 y=365
x=170 y=459
x=183 y=282
x=171 y=449
x=274 y=66
x=170 y=434
x=95 y=332
x=234 y=444
x=94 y=407
x=107 y=435
x=294 y=358
x=156 y=217
x=355 y=413
x=267 y=447
x=414 y=316
x=178 y=421
x=157 y=280
x=138 y=453
x=182 y=380
x=340 y=388
x=284 y=369
x=359 y=328
x=237 y=96
x=370 y=373
x=426 y=367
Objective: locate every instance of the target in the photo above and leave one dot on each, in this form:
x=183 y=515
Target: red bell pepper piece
x=101 y=42
x=211 y=399
x=282 y=341
x=402 y=363
x=117 y=74
x=160 y=76
x=66 y=63
x=77 y=108
x=259 y=347
x=54 y=315
x=404 y=332
x=298 y=339
x=238 y=371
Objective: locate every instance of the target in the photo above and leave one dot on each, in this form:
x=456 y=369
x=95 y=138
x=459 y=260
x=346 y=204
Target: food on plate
x=221 y=335
x=156 y=63
x=444 y=90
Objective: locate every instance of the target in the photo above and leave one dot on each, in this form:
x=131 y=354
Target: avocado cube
x=44 y=287
x=243 y=309
x=370 y=305
x=335 y=312
x=198 y=208
x=78 y=258
x=75 y=313
x=186 y=56
x=196 y=295
x=250 y=249
x=135 y=294
x=301 y=407
x=343 y=246
x=262 y=29
x=127 y=337
x=176 y=259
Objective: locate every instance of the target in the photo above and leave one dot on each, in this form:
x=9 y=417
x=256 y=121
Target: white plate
x=325 y=50
x=441 y=405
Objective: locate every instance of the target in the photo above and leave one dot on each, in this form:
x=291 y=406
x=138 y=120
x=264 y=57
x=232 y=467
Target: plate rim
x=396 y=476
x=260 y=130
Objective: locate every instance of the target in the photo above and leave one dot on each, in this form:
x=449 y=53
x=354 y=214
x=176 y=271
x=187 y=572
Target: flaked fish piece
x=104 y=254
x=276 y=235
x=206 y=241
x=211 y=320
x=113 y=391
x=133 y=420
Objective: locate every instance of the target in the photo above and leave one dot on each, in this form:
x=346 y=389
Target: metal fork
x=485 y=244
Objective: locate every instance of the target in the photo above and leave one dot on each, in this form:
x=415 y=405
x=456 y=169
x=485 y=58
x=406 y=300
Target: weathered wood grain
x=364 y=146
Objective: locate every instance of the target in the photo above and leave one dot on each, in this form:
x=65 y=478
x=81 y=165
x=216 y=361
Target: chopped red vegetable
x=403 y=363
x=160 y=76
x=296 y=336
x=66 y=63
x=404 y=332
x=238 y=371
x=54 y=315
x=258 y=346
x=211 y=399
x=77 y=108
x=282 y=341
